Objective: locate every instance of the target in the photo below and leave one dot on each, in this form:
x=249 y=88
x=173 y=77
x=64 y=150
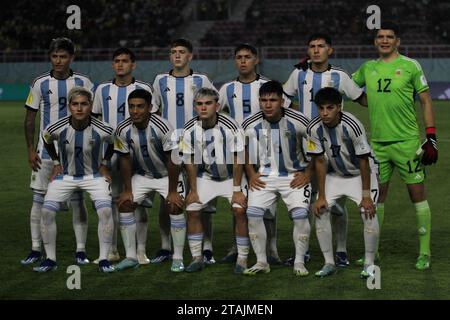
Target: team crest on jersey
x=46 y=136
x=193 y=88
x=118 y=144
x=287 y=134
x=30 y=99
x=398 y=72
x=311 y=145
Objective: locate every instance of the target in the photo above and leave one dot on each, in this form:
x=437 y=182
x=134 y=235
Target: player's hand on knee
x=300 y=180
x=255 y=183
x=192 y=197
x=56 y=171
x=126 y=202
x=320 y=206
x=34 y=160
x=367 y=207
x=104 y=171
x=239 y=198
x=174 y=198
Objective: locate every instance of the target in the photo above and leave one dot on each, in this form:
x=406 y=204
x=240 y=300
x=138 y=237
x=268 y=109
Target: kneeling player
x=212 y=143
x=80 y=139
x=149 y=138
x=275 y=138
x=342 y=137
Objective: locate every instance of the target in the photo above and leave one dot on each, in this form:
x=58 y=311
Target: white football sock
x=178 y=231
x=105 y=231
x=128 y=232
x=48 y=228
x=79 y=220
x=35 y=221
x=371 y=234
x=141 y=228
x=325 y=237
x=195 y=244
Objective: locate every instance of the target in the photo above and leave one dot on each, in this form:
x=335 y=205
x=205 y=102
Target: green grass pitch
x=398 y=246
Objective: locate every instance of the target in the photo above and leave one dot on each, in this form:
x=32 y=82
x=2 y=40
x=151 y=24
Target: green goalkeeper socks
x=423 y=226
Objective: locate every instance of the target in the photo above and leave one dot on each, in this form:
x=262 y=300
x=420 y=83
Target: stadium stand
x=289 y=22
x=105 y=24
x=278 y=28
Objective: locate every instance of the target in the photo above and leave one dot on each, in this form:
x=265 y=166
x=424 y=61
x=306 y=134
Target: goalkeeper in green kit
x=391 y=83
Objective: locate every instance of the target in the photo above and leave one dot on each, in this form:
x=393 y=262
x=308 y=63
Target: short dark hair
x=271 y=87
x=123 y=50
x=389 y=25
x=182 y=43
x=327 y=95
x=245 y=46
x=142 y=94
x=62 y=44
x=318 y=36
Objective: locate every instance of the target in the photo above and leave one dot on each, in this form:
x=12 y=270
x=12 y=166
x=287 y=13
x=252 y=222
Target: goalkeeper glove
x=430 y=150
x=303 y=64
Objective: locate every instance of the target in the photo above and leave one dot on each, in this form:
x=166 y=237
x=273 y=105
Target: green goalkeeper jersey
x=390 y=89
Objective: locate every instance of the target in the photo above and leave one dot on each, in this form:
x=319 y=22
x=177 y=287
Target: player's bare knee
x=239 y=214
x=127 y=206
x=173 y=209
x=194 y=215
x=417 y=192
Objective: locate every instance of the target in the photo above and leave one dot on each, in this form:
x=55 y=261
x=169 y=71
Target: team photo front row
x=277 y=152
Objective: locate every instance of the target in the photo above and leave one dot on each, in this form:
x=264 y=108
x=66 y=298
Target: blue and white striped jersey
x=305 y=85
x=342 y=144
x=213 y=148
x=175 y=96
x=111 y=100
x=49 y=96
x=80 y=151
x=147 y=146
x=242 y=99
x=277 y=148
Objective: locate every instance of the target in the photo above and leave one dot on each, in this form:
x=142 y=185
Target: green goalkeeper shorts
x=401 y=155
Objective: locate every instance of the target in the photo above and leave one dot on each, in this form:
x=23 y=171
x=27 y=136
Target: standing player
x=391 y=83
x=212 y=144
x=147 y=140
x=341 y=136
x=79 y=166
x=240 y=98
x=111 y=102
x=48 y=95
x=174 y=96
x=275 y=143
x=304 y=82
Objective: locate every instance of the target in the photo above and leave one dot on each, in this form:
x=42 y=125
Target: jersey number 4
x=384 y=87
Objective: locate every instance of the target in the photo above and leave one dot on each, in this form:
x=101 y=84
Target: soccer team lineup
x=120 y=146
